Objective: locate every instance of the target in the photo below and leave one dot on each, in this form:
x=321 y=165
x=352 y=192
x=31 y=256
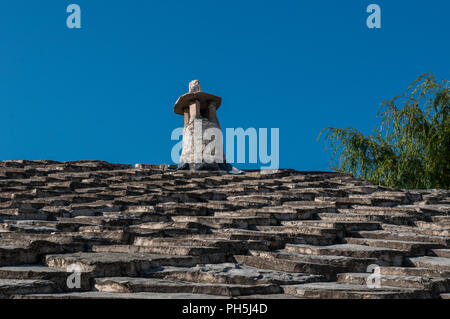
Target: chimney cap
x=195 y=93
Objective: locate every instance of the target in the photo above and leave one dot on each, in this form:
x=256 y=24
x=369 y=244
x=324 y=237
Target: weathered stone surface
x=120 y=264
x=109 y=295
x=288 y=265
x=404 y=236
x=386 y=255
x=230 y=273
x=350 y=291
x=57 y=276
x=435 y=263
x=415 y=271
x=434 y=285
x=151 y=231
x=9 y=287
x=441 y=252
x=414 y=248
x=127 y=284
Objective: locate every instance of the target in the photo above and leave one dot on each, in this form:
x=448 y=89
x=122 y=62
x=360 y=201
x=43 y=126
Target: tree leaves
x=411 y=148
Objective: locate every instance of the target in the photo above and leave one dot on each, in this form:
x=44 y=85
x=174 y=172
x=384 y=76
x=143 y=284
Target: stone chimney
x=202 y=136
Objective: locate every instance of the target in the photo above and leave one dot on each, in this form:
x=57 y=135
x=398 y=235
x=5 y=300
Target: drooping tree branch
x=411 y=149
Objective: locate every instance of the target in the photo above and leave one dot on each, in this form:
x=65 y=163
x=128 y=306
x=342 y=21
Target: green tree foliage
x=410 y=149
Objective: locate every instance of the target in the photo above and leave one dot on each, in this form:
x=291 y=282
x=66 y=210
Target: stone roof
x=152 y=232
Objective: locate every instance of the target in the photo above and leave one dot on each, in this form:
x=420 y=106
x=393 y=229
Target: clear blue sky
x=106 y=91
